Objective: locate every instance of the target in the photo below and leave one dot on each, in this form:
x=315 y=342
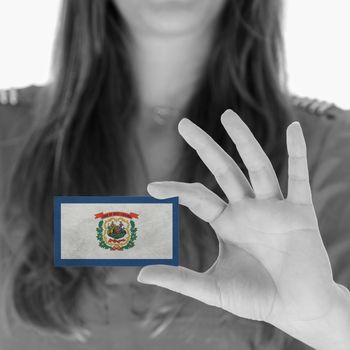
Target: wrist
x=333 y=331
x=337 y=330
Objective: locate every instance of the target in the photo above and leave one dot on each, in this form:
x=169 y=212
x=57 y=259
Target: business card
x=115 y=230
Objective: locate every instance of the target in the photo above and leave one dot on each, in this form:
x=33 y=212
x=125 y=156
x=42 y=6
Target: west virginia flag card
x=115 y=230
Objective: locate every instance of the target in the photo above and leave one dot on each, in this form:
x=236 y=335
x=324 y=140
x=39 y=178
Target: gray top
x=327 y=132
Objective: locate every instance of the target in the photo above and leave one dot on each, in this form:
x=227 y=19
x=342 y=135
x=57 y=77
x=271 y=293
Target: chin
x=169 y=17
x=172 y=16
x=172 y=25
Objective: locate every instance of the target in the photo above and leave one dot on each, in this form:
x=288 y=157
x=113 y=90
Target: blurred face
x=169 y=17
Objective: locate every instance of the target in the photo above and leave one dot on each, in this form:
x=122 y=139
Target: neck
x=168 y=68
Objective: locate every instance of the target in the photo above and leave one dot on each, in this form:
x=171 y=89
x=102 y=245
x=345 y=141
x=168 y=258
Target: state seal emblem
x=116 y=230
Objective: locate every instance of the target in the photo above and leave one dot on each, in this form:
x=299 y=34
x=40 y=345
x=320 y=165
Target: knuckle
x=222 y=172
x=199 y=189
x=298 y=178
x=216 y=217
x=258 y=167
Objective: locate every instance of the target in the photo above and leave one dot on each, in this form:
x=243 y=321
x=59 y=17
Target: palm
x=272 y=264
x=259 y=264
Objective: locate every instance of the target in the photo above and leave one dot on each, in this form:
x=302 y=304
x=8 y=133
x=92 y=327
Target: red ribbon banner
x=116 y=213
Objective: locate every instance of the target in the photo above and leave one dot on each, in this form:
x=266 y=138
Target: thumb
x=182 y=280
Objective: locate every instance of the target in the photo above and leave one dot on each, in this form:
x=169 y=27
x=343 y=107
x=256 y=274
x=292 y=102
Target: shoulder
x=19 y=97
x=17 y=108
x=17 y=113
x=326 y=127
x=320 y=119
x=320 y=108
x=318 y=114
x=327 y=136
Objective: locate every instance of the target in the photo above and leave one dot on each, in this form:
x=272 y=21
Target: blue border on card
x=59 y=262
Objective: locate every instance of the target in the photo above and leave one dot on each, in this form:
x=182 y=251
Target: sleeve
x=331 y=197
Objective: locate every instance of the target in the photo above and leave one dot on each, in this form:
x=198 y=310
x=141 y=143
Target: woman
x=126 y=72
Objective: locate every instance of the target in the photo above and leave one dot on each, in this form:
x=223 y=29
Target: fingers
x=182 y=280
x=195 y=196
x=261 y=173
x=299 y=190
x=227 y=173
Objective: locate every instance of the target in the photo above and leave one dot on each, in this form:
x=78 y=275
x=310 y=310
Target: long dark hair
x=85 y=111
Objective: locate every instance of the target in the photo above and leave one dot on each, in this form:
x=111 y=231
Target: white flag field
x=98 y=233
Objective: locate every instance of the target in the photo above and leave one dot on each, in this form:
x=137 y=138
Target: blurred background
x=316 y=37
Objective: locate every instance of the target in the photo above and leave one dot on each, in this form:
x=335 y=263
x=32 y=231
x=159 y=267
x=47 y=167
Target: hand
x=272 y=265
